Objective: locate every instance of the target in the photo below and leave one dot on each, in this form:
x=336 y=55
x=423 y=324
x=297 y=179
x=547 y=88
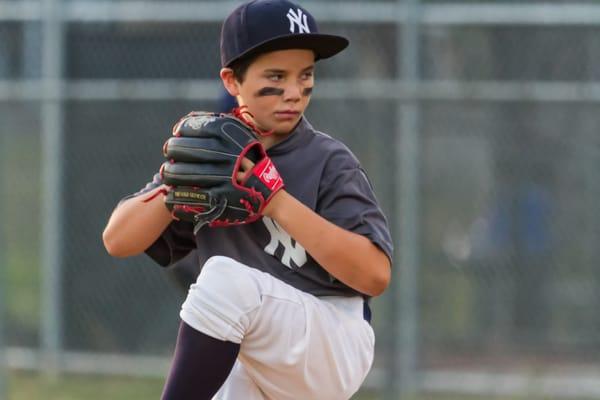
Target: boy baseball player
x=279 y=310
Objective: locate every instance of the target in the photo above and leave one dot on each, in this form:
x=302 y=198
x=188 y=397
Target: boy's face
x=276 y=88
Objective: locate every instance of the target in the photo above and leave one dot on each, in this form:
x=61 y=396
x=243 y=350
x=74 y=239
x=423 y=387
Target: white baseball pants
x=293 y=345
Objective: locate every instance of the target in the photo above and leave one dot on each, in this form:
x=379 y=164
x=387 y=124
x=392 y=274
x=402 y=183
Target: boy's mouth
x=287 y=114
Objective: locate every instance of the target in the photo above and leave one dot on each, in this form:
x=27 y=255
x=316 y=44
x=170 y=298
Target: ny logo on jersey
x=298 y=19
x=292 y=251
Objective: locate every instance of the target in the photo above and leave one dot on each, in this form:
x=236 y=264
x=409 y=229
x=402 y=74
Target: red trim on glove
x=240 y=113
x=162 y=191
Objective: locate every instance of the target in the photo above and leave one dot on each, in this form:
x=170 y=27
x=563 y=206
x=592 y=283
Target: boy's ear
x=229 y=81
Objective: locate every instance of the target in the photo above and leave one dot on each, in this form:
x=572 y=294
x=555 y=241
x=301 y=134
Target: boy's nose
x=292 y=93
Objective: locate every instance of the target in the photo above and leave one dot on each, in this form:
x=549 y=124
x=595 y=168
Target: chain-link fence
x=477 y=123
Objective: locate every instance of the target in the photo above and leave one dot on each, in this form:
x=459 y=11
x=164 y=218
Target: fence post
x=407 y=224
x=52 y=173
x=3 y=283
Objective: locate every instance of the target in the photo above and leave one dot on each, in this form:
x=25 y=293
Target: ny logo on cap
x=298 y=19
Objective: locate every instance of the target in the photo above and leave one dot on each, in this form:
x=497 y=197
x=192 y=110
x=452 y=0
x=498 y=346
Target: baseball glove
x=204 y=158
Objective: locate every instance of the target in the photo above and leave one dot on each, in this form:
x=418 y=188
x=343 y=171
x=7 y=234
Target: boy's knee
x=223 y=299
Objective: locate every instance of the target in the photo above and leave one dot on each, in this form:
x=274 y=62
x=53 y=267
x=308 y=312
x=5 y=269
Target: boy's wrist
x=271 y=210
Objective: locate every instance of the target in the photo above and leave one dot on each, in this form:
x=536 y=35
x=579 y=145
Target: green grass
x=30 y=386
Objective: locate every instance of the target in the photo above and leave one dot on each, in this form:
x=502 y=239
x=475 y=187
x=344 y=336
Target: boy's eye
x=307 y=75
x=276 y=77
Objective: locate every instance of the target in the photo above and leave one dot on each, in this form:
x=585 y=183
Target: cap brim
x=323 y=45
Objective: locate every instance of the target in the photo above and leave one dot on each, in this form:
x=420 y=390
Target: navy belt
x=366 y=311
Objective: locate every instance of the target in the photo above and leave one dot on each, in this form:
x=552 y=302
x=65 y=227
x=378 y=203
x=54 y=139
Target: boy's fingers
x=247 y=164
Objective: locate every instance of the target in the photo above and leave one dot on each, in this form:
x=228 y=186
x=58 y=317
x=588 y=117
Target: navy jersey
x=324 y=175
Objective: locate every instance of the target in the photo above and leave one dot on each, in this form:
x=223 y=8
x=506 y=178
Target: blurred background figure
x=477 y=122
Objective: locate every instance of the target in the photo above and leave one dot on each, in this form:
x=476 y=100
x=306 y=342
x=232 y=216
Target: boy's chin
x=282 y=131
x=285 y=127
x=277 y=129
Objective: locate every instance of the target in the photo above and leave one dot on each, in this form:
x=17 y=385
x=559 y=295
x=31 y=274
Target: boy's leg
x=214 y=316
x=239 y=385
x=293 y=345
x=200 y=365
x=313 y=349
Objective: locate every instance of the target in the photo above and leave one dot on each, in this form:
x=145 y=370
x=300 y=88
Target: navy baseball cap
x=260 y=26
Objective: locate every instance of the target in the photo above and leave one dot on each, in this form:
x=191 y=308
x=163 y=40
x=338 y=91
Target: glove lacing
x=240 y=113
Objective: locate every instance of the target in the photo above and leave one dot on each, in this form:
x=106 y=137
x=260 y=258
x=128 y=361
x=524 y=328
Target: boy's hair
x=240 y=67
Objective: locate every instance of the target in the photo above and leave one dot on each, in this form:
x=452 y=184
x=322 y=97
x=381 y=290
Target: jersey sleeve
x=153 y=184
x=346 y=198
x=175 y=242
